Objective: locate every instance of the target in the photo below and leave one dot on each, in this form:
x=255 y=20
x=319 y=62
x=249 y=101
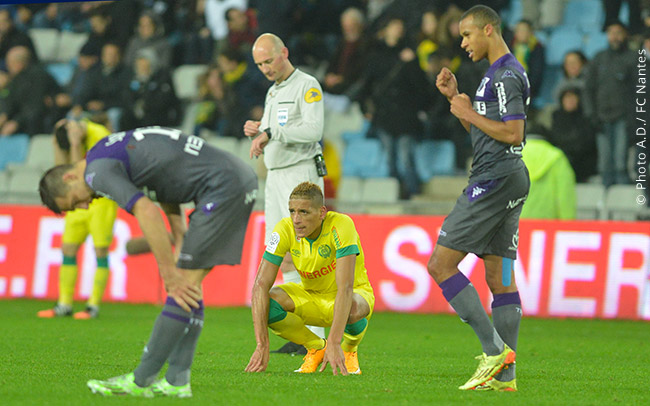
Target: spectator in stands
x=111 y=21
x=4 y=90
x=244 y=90
x=152 y=94
x=574 y=134
x=276 y=17
x=215 y=17
x=88 y=66
x=124 y=15
x=316 y=32
x=613 y=9
x=194 y=38
x=149 y=35
x=427 y=38
x=395 y=91
x=108 y=88
x=609 y=87
x=100 y=22
x=449 y=35
x=212 y=100
x=530 y=54
x=48 y=17
x=242 y=29
x=231 y=91
x=543 y=13
x=574 y=70
x=24 y=15
x=30 y=88
x=552 y=193
x=441 y=124
x=11 y=37
x=346 y=65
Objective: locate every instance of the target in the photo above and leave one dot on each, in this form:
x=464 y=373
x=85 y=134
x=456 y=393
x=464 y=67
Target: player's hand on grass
x=184 y=293
x=446 y=83
x=259 y=360
x=334 y=356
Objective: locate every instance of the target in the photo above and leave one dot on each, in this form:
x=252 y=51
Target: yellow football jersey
x=98 y=219
x=316 y=260
x=94 y=133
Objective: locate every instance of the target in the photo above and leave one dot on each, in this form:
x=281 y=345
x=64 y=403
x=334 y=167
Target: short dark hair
x=580 y=56
x=615 y=21
x=308 y=191
x=61 y=136
x=52 y=186
x=232 y=54
x=483 y=15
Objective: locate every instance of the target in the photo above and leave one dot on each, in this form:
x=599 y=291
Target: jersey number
x=192 y=146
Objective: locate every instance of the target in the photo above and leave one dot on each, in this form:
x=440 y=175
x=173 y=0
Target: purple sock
x=503 y=299
x=452 y=286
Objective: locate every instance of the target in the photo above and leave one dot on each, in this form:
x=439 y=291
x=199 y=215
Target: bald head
x=272 y=57
x=269 y=42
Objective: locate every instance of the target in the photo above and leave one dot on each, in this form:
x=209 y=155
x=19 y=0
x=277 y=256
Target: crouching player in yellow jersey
x=334 y=290
x=71 y=142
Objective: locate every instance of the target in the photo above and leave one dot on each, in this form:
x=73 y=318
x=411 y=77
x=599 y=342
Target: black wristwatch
x=268 y=132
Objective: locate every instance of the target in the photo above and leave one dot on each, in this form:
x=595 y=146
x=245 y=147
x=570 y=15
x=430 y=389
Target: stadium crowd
x=382 y=55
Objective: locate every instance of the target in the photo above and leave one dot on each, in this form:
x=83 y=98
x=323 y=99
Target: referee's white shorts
x=279 y=185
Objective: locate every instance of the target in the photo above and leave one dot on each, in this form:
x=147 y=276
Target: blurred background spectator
x=242 y=29
x=574 y=134
x=215 y=17
x=107 y=88
x=573 y=73
x=530 y=54
x=29 y=93
x=346 y=65
x=11 y=37
x=395 y=92
x=244 y=89
x=149 y=35
x=151 y=93
x=609 y=87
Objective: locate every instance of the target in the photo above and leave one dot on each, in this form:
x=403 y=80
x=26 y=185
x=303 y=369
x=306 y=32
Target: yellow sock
x=67 y=280
x=293 y=328
x=101 y=278
x=350 y=340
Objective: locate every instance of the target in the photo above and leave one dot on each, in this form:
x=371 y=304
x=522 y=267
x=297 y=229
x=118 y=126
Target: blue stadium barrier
x=512 y=14
x=365 y=158
x=546 y=96
x=13 y=149
x=434 y=158
x=62 y=72
x=586 y=15
x=562 y=40
x=595 y=41
x=348 y=136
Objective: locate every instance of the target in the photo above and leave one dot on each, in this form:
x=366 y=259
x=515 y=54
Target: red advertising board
x=564 y=269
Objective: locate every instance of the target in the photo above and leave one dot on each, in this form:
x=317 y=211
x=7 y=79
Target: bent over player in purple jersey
x=140 y=166
x=485 y=219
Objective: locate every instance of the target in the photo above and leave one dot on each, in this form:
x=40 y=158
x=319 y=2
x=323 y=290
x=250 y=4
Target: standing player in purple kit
x=140 y=166
x=485 y=219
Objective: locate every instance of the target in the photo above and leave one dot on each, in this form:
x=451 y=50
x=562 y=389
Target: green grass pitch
x=406 y=360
